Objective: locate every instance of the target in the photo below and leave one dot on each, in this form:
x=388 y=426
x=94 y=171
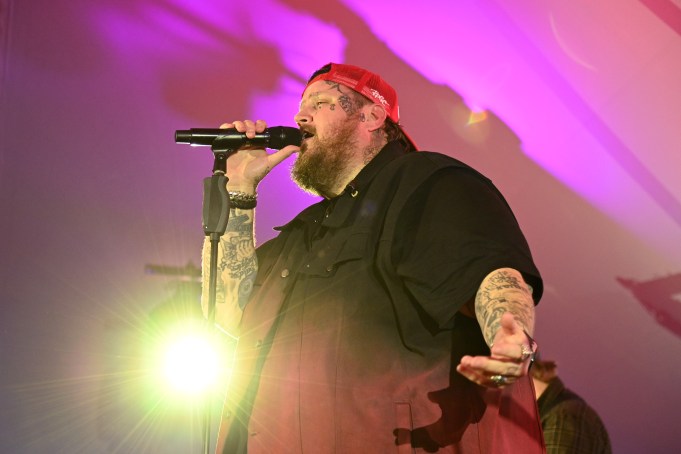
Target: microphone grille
x=281 y=136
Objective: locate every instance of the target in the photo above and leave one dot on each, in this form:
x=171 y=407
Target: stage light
x=192 y=362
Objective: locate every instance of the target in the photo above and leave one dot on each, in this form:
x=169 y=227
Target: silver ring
x=526 y=352
x=498 y=380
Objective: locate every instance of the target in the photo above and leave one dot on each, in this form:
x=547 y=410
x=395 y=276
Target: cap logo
x=380 y=97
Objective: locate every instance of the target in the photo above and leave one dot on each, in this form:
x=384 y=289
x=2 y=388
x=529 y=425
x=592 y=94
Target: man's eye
x=319 y=104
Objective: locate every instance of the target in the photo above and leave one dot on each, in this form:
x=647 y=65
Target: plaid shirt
x=570 y=425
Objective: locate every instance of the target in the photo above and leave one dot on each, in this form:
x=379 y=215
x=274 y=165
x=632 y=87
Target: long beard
x=324 y=163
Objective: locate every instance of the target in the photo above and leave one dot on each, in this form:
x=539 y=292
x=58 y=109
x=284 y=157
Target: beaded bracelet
x=243 y=201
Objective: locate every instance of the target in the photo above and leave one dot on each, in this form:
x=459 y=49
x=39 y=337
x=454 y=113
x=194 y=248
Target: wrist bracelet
x=243 y=201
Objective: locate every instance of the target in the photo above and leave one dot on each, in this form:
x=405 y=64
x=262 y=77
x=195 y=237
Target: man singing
x=396 y=314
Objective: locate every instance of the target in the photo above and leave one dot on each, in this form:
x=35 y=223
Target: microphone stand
x=215 y=217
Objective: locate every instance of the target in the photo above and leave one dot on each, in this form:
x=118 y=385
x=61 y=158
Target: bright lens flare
x=191 y=364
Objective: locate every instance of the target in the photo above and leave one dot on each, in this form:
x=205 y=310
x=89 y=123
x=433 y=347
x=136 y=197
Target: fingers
x=278 y=156
x=509 y=326
x=250 y=127
x=252 y=163
x=510 y=357
x=480 y=369
x=511 y=350
x=491 y=376
x=511 y=342
x=514 y=352
x=488 y=380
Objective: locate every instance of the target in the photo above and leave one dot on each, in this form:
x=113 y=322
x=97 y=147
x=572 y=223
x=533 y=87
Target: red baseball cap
x=370 y=85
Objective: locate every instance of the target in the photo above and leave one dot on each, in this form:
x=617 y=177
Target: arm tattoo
x=237 y=244
x=246 y=287
x=239 y=261
x=503 y=291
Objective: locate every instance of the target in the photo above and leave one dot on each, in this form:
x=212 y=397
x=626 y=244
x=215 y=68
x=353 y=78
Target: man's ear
x=375 y=117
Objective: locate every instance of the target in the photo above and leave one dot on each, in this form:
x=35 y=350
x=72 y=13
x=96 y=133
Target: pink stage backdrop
x=571 y=108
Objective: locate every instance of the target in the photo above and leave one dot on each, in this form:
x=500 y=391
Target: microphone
x=276 y=137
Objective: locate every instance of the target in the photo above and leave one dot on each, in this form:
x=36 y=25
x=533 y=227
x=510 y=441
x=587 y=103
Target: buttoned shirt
x=351 y=337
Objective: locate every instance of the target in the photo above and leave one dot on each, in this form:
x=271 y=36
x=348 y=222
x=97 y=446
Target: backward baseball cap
x=369 y=84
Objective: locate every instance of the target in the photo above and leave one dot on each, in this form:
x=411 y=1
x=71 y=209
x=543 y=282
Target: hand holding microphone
x=275 y=138
x=251 y=163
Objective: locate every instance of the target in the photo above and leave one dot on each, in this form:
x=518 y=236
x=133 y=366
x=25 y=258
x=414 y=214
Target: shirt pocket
x=328 y=257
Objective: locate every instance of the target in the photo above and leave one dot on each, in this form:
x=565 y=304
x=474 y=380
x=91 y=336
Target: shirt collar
x=343 y=205
x=336 y=211
x=555 y=388
x=389 y=152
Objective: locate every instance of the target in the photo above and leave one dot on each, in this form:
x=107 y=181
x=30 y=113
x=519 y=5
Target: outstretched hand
x=510 y=357
x=247 y=167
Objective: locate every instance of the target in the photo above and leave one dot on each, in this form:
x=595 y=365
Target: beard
x=323 y=164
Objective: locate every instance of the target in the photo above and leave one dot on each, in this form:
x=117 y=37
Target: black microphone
x=276 y=137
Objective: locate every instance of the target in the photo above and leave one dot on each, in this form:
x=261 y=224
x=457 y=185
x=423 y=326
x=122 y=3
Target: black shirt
x=351 y=336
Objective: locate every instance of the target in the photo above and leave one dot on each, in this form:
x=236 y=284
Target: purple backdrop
x=571 y=108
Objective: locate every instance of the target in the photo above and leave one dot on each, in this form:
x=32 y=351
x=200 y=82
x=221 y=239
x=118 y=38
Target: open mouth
x=307 y=135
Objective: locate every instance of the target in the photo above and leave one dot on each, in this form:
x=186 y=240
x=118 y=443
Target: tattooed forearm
x=503 y=290
x=245 y=288
x=237 y=267
x=237 y=259
x=238 y=263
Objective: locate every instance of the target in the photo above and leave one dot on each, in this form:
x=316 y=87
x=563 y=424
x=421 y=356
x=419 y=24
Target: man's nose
x=302 y=117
